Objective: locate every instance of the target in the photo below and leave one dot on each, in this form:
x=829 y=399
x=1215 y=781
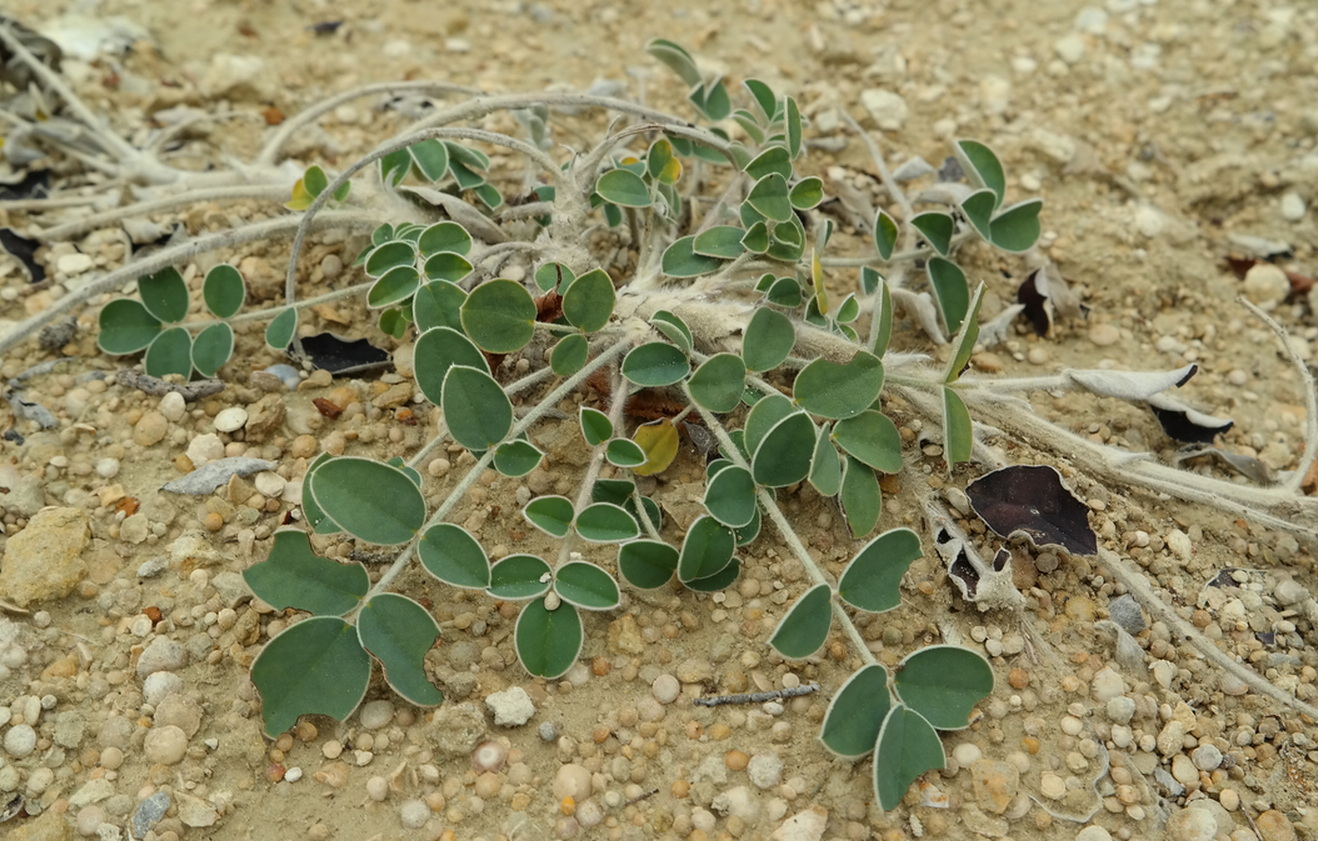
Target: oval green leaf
x=855 y=715
x=519 y=577
x=552 y=514
x=293 y=575
x=722 y=241
x=623 y=187
x=596 y=427
x=950 y=290
x=444 y=236
x=169 y=353
x=212 y=348
x=438 y=304
x=164 y=294
x=674 y=329
x=655 y=364
x=964 y=343
x=982 y=167
x=569 y=355
x=317 y=666
x=944 y=683
x=706 y=550
x=430 y=157
x=604 y=522
x=647 y=564
x=447 y=265
x=978 y=209
x=548 y=641
x=1017 y=227
x=766 y=413
x=885 y=234
x=499 y=316
x=958 y=433
x=730 y=497
x=399 y=632
x=839 y=390
x=872 y=581
x=826 y=465
x=476 y=410
x=436 y=351
x=804 y=629
x=872 y=439
x=937 y=228
x=771 y=160
x=397 y=284
x=768 y=339
x=517 y=458
x=224 y=291
x=681 y=260
x=769 y=198
x=369 y=499
x=588 y=302
x=126 y=327
x=861 y=499
x=624 y=452
x=390 y=255
x=279 y=333
x=719 y=382
x=450 y=553
x=806 y=193
x=587 y=586
x=906 y=748
x=783 y=457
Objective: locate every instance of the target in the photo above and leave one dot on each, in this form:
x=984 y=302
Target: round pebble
x=377 y=714
x=1206 y=757
x=765 y=770
x=1266 y=284
x=160 y=685
x=20 y=741
x=967 y=753
x=1104 y=335
x=666 y=688
x=1192 y=825
x=150 y=429
x=231 y=419
x=165 y=745
x=377 y=788
x=107 y=468
x=1093 y=833
x=572 y=780
x=172 y=406
x=414 y=813
x=736 y=760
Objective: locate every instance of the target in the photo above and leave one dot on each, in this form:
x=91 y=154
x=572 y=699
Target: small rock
x=150 y=429
x=50 y=825
x=1183 y=770
x=134 y=529
x=265 y=417
x=1206 y=757
x=666 y=688
x=1171 y=739
x=995 y=783
x=44 y=560
x=172 y=406
x=165 y=745
x=694 y=670
x=765 y=770
x=179 y=711
x=572 y=780
x=888 y=109
x=1178 y=543
x=20 y=740
x=93 y=791
x=1121 y=709
x=1107 y=684
x=1292 y=209
x=512 y=707
x=1070 y=48
x=377 y=714
x=1289 y=592
x=1126 y=612
x=1266 y=285
x=204 y=449
x=160 y=685
x=162 y=654
x=1274 y=826
x=803 y=826
x=1093 y=832
x=737 y=801
x=414 y=813
x=454 y=729
x=194 y=811
x=75 y=264
x=1104 y=335
x=231 y=419
x=624 y=636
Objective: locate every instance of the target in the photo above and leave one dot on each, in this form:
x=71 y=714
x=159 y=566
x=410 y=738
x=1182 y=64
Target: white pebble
x=765 y=770
x=165 y=745
x=1292 y=207
x=20 y=741
x=107 y=468
x=377 y=714
x=293 y=774
x=204 y=449
x=71 y=264
x=414 y=813
x=172 y=406
x=1266 y=285
x=1094 y=832
x=512 y=707
x=666 y=688
x=269 y=484
x=377 y=788
x=967 y=753
x=231 y=419
x=1070 y=48
x=160 y=685
x=888 y=109
x=1206 y=757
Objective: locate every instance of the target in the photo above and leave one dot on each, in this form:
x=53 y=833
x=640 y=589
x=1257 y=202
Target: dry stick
x=108 y=217
x=168 y=257
x=1295 y=483
x=756 y=697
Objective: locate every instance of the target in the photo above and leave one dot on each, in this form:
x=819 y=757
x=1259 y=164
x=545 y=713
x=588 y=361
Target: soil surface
x=1163 y=137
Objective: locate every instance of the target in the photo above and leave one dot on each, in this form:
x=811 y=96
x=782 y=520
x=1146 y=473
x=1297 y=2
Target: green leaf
x=861 y=499
x=595 y=425
x=783 y=457
x=548 y=641
x=982 y=167
x=676 y=58
x=499 y=316
x=958 y=434
x=476 y=410
x=450 y=553
x=587 y=586
x=721 y=241
x=624 y=452
x=944 y=683
x=906 y=748
x=397 y=284
x=436 y=351
x=164 y=294
x=655 y=364
x=964 y=343
x=950 y=290
x=885 y=234
x=768 y=339
x=712 y=101
x=872 y=581
x=825 y=465
x=447 y=265
x=937 y=228
x=519 y=577
x=212 y=348
x=769 y=198
x=554 y=276
x=279 y=333
x=674 y=329
x=706 y=550
x=369 y=499
x=848 y=310
x=169 y=353
x=444 y=236
x=978 y=209
x=588 y=302
x=718 y=581
x=552 y=514
x=856 y=713
x=431 y=158
x=806 y=193
x=390 y=255
x=316 y=666
x=126 y=327
x=660 y=162
x=730 y=497
x=681 y=260
x=804 y=629
x=517 y=458
x=839 y=390
x=318 y=520
x=569 y=355
x=224 y=291
x=792 y=122
x=394 y=167
x=293 y=575
x=1017 y=227
x=719 y=382
x=871 y=438
x=604 y=522
x=756 y=238
x=399 y=632
x=764 y=97
x=785 y=292
x=647 y=564
x=747 y=534
x=882 y=334
x=624 y=188
x=438 y=304
x=775 y=159
x=762 y=417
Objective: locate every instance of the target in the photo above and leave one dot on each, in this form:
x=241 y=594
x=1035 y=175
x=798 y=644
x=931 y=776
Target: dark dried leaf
x=1182 y=423
x=1032 y=500
x=1036 y=309
x=343 y=356
x=24 y=251
x=35 y=184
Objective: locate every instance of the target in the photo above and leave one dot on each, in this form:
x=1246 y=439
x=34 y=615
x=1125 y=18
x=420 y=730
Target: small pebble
x=765 y=770
x=666 y=688
x=736 y=760
x=172 y=406
x=165 y=745
x=572 y=780
x=377 y=788
x=150 y=429
x=20 y=740
x=1292 y=206
x=1206 y=757
x=1126 y=612
x=1266 y=285
x=231 y=419
x=1104 y=335
x=1094 y=832
x=414 y=813
x=377 y=714
x=967 y=753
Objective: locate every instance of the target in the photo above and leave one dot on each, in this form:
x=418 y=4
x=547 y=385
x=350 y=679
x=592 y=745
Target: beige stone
x=44 y=561
x=995 y=784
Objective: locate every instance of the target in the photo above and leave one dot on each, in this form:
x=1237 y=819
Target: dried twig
x=756 y=697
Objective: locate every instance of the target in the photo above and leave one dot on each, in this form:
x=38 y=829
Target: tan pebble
x=112 y=758
x=1171 y=738
x=333 y=774
x=1183 y=769
x=172 y=406
x=165 y=745
x=231 y=419
x=150 y=429
x=1052 y=786
x=1018 y=678
x=1037 y=356
x=735 y=760
x=330 y=750
x=1274 y=826
x=303 y=446
x=1104 y=335
x=719 y=731
x=1229 y=799
x=213 y=521
x=1266 y=284
x=988 y=362
x=995 y=784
